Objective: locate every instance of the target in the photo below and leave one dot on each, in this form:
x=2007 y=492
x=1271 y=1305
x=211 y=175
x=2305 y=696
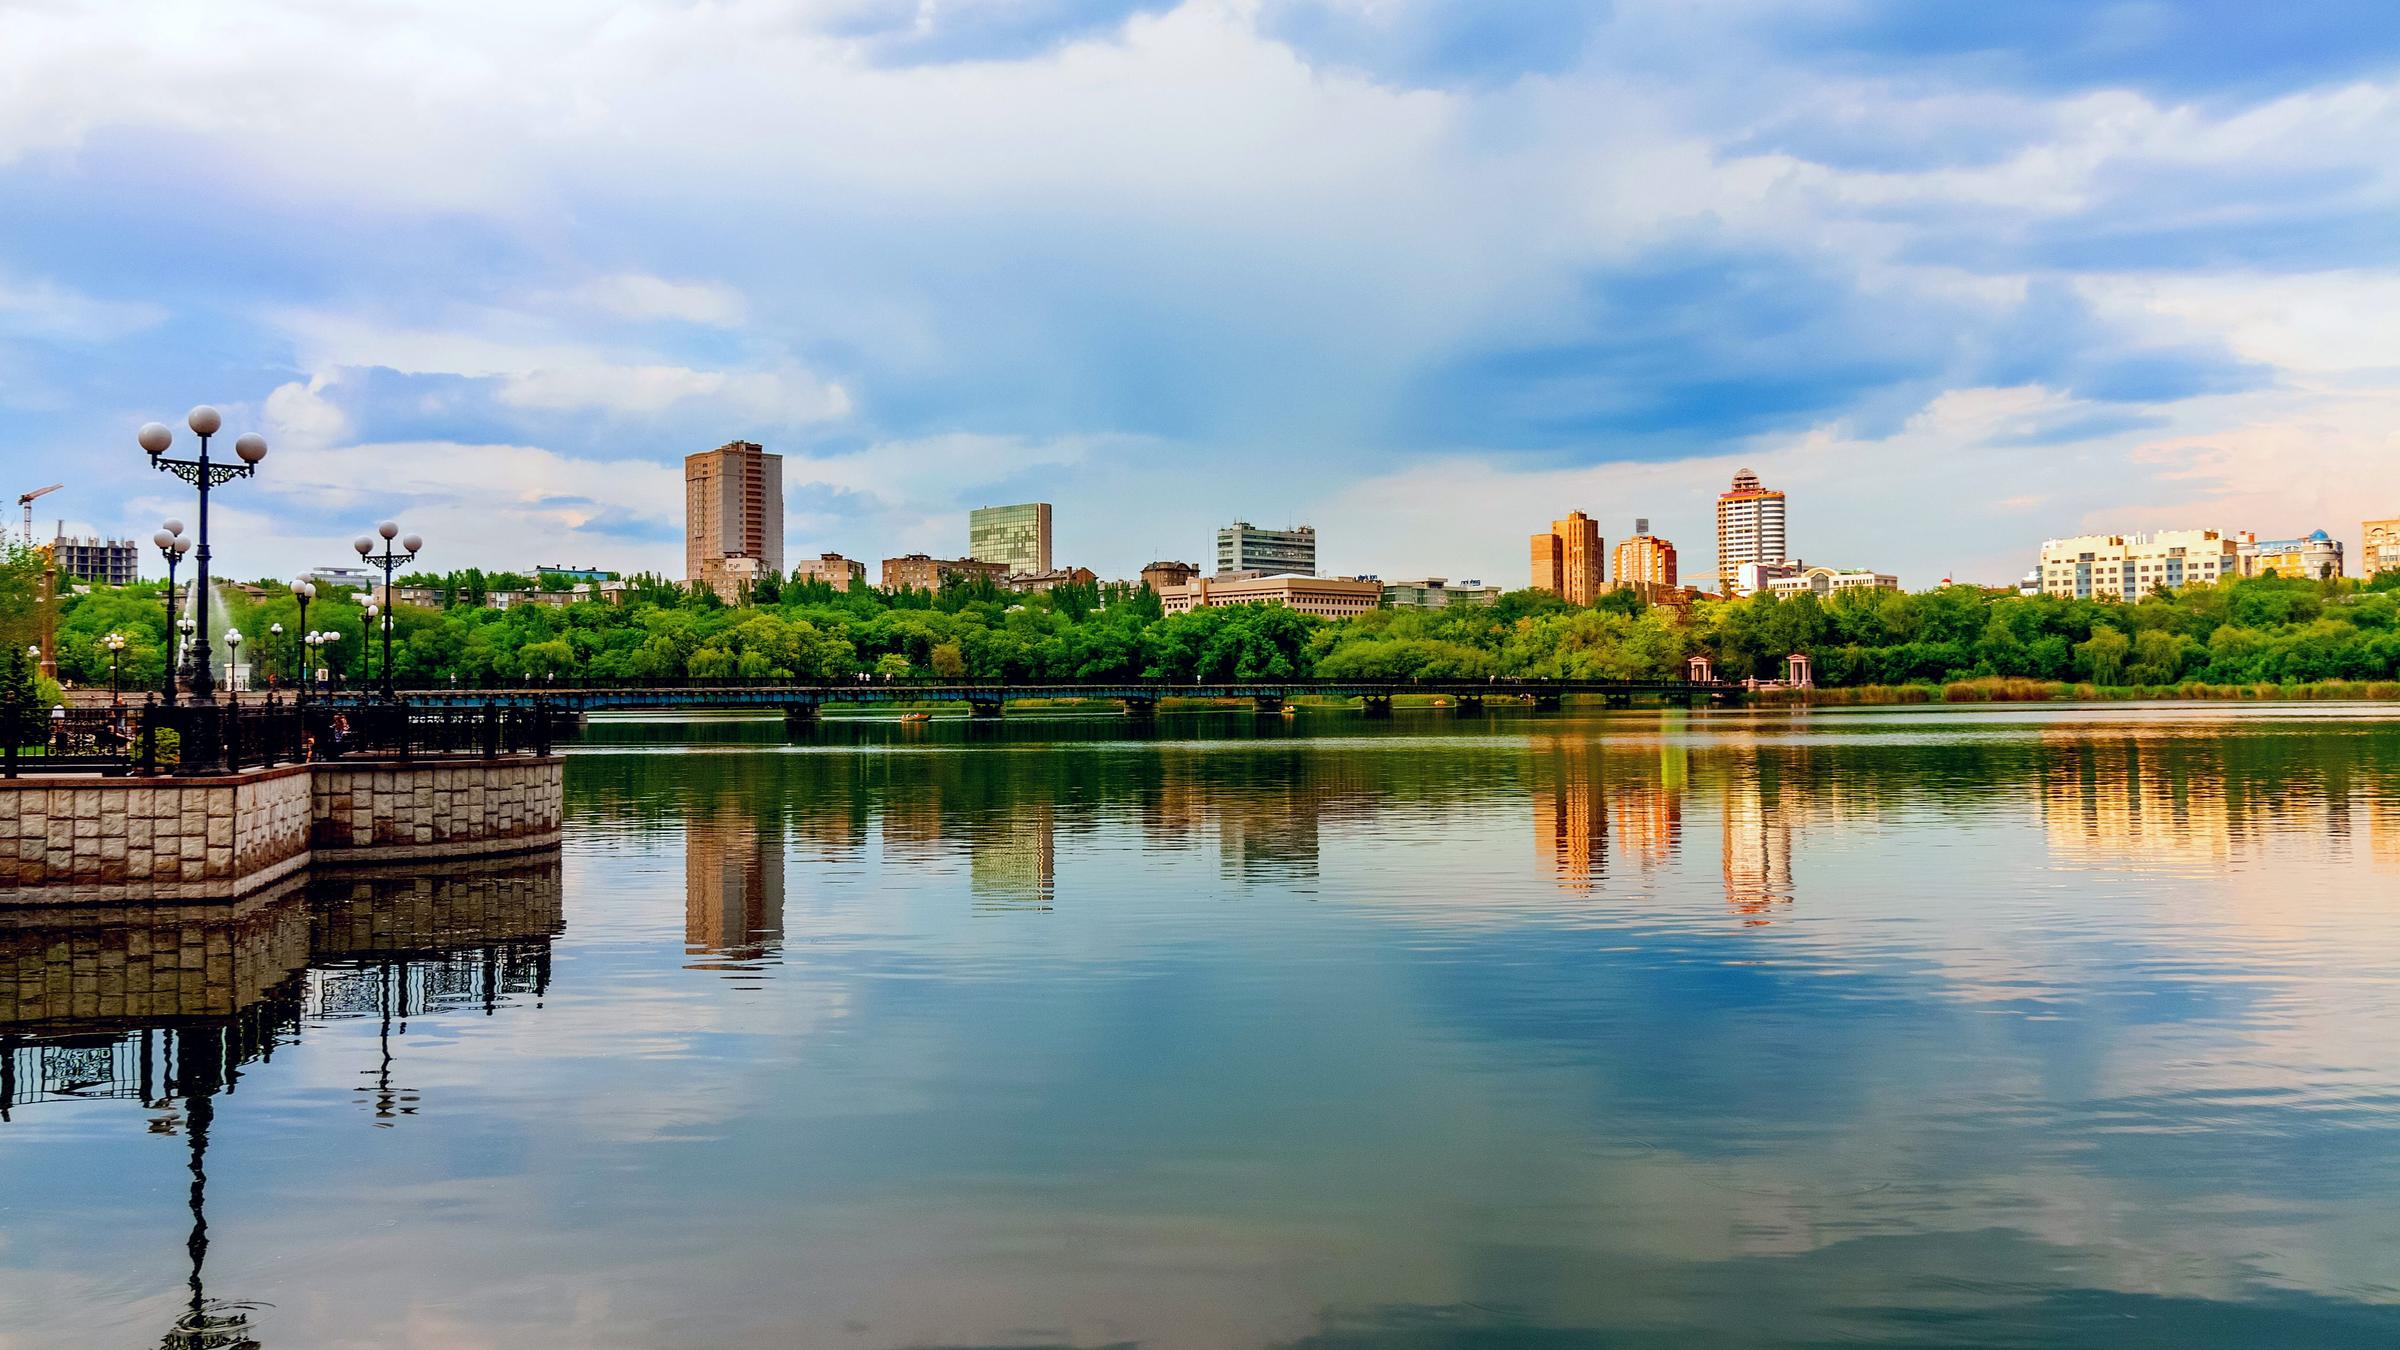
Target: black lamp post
x=172 y=543
x=304 y=591
x=202 y=474
x=388 y=561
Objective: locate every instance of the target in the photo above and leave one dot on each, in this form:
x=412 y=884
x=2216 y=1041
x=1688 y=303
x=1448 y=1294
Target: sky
x=1957 y=276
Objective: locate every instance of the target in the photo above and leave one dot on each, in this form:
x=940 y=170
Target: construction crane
x=26 y=501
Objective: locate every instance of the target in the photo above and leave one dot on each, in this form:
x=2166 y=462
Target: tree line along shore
x=2246 y=638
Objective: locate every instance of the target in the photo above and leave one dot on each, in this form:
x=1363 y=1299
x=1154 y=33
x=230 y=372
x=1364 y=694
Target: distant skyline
x=1422 y=275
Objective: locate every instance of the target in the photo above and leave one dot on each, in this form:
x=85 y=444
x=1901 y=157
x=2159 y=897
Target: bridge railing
x=702 y=684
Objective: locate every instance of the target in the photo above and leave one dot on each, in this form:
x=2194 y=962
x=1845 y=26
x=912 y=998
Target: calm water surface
x=2057 y=1027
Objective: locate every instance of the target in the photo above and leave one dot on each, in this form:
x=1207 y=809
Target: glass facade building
x=1017 y=537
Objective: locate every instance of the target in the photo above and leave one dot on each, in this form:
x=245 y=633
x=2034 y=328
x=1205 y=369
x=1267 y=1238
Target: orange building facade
x=1571 y=560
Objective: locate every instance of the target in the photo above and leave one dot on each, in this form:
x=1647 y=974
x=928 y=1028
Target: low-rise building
x=831 y=568
x=730 y=576
x=338 y=575
x=570 y=574
x=1163 y=576
x=1324 y=597
x=1037 y=583
x=1826 y=581
x=2128 y=566
x=1437 y=593
x=428 y=597
x=1752 y=577
x=2314 y=556
x=918 y=572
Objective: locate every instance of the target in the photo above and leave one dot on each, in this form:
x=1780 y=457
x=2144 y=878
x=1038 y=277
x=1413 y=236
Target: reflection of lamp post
x=200 y=473
x=115 y=642
x=387 y=560
x=172 y=543
x=233 y=656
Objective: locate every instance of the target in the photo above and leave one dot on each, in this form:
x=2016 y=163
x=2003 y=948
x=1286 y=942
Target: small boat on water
x=916 y=717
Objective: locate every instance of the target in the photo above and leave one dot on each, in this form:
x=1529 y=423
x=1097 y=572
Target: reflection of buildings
x=2104 y=802
x=1758 y=845
x=1013 y=861
x=1570 y=822
x=166 y=1006
x=1586 y=809
x=732 y=888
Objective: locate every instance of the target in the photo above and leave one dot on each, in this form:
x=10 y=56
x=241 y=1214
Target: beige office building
x=1750 y=529
x=2129 y=566
x=1166 y=575
x=1017 y=537
x=1324 y=597
x=1571 y=560
x=2383 y=547
x=732 y=506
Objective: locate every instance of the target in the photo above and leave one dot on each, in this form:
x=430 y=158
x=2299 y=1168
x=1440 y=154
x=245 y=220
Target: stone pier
x=84 y=841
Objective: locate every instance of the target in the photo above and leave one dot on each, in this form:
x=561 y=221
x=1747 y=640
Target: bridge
x=802 y=701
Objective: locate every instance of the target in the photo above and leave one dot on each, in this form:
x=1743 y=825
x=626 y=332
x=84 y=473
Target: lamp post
x=172 y=543
x=233 y=654
x=183 y=645
x=366 y=632
x=275 y=645
x=155 y=437
x=333 y=667
x=304 y=591
x=115 y=642
x=387 y=560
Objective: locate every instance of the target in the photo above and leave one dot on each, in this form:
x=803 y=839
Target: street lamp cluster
x=389 y=561
x=188 y=664
x=203 y=474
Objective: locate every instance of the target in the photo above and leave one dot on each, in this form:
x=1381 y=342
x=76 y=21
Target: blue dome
x=2321 y=537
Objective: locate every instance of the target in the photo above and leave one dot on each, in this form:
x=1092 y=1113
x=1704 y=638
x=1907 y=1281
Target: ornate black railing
x=209 y=737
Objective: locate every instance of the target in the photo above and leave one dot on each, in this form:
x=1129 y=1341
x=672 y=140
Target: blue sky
x=1958 y=276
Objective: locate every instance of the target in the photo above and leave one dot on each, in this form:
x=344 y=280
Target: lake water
x=2044 y=1027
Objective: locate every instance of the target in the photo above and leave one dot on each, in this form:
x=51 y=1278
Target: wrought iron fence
x=208 y=737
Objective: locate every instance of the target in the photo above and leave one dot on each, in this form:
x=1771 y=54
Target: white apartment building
x=1750 y=529
x=2128 y=566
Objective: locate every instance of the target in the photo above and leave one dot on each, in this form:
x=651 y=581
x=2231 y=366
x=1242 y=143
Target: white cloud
x=638 y=296
x=47 y=310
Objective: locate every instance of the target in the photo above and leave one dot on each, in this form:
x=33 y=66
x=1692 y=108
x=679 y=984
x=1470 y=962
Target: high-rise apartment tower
x=732 y=508
x=1646 y=563
x=1750 y=528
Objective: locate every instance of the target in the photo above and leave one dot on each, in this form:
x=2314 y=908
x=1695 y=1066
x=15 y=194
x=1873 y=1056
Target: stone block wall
x=74 y=841
x=152 y=838
x=435 y=809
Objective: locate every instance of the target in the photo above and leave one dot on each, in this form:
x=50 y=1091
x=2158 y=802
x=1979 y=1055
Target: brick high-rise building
x=732 y=508
x=1571 y=560
x=1750 y=528
x=1646 y=563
